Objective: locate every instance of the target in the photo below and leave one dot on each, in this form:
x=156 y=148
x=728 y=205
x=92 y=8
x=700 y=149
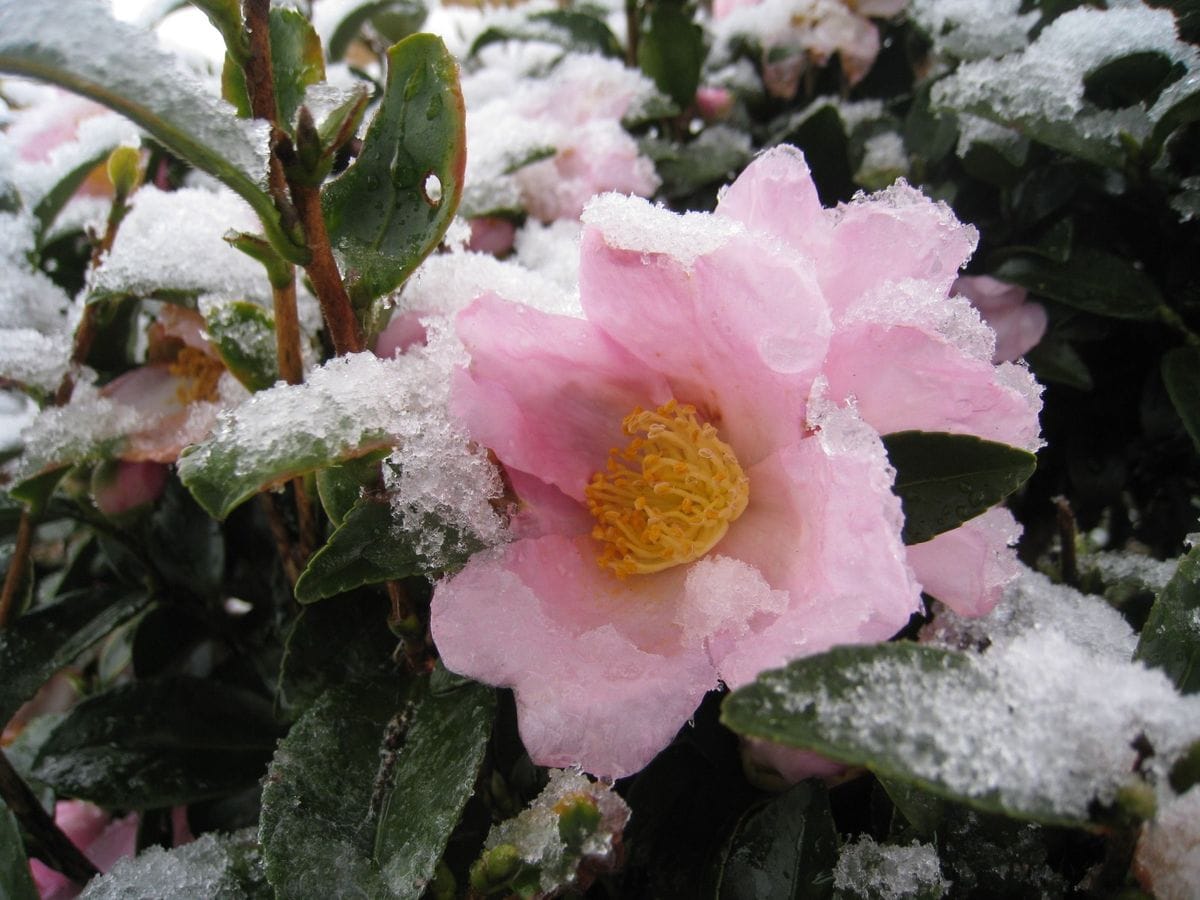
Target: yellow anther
x=200 y=373
x=668 y=496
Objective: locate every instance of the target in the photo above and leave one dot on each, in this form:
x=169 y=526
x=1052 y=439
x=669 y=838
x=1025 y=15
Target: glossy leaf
x=1134 y=78
x=125 y=70
x=1170 y=639
x=945 y=479
x=1091 y=280
x=1181 y=375
x=671 y=49
x=16 y=883
x=47 y=639
x=784 y=848
x=392 y=206
x=413 y=12
x=407 y=761
x=572 y=30
x=343 y=485
x=159 y=743
x=811 y=705
x=434 y=777
x=365 y=549
x=243 y=334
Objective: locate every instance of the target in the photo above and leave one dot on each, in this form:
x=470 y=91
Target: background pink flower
x=103 y=840
x=1019 y=324
x=769 y=346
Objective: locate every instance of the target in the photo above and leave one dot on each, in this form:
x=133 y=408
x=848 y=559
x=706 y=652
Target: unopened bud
x=1137 y=800
x=496 y=868
x=124 y=170
x=578 y=819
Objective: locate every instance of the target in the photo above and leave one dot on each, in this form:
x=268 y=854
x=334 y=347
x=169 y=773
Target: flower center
x=667 y=497
x=201 y=373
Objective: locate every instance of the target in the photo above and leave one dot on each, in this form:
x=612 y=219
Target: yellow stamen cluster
x=200 y=372
x=667 y=497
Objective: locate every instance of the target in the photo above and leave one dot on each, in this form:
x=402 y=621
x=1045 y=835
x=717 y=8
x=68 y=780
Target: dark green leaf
x=123 y=69
x=332 y=643
x=784 y=848
x=343 y=485
x=822 y=136
x=243 y=334
x=569 y=29
x=1127 y=80
x=185 y=544
x=923 y=811
x=45 y=640
x=296 y=60
x=1183 y=110
x=390 y=209
x=1181 y=375
x=434 y=777
x=671 y=49
x=945 y=479
x=717 y=155
x=1091 y=280
x=394 y=12
x=318 y=821
x=16 y=883
x=228 y=866
x=1170 y=639
x=366 y=548
x=159 y=743
x=815 y=704
x=1055 y=360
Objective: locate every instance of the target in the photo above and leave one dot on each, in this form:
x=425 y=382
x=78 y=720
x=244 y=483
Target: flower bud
x=495 y=868
x=124 y=170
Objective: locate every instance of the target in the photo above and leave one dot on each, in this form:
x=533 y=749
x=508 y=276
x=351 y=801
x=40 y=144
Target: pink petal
x=824 y=525
x=1018 y=331
x=790 y=764
x=776 y=194
x=547 y=393
x=904 y=377
x=600 y=678
x=740 y=332
x=543 y=509
x=169 y=423
x=404 y=330
x=890 y=236
x=130 y=486
x=491 y=234
x=967 y=568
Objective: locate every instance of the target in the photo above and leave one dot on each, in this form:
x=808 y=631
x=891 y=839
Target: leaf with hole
x=391 y=207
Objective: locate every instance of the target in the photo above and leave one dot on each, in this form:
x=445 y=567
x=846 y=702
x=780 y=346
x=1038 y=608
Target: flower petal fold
x=968 y=567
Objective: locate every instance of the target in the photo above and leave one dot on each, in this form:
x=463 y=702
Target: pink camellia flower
x=177 y=392
x=1019 y=325
x=101 y=838
x=796 y=33
x=703 y=493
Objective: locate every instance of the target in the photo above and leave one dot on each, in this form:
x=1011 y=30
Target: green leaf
x=186 y=546
x=1057 y=361
x=1131 y=79
x=243 y=334
x=909 y=713
x=572 y=30
x=821 y=134
x=392 y=206
x=923 y=811
x=16 y=882
x=49 y=638
x=412 y=12
x=945 y=479
x=671 y=49
x=214 y=865
x=434 y=777
x=1181 y=375
x=784 y=848
x=343 y=485
x=160 y=743
x=64 y=189
x=296 y=62
x=406 y=765
x=124 y=69
x=1091 y=280
x=365 y=549
x=715 y=156
x=290 y=430
x=1170 y=639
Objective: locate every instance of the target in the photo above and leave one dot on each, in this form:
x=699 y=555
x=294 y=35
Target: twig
x=58 y=851
x=1066 y=537
x=16 y=567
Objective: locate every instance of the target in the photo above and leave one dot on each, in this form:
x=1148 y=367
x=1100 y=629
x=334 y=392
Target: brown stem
x=1067 y=531
x=287 y=331
x=306 y=520
x=260 y=86
x=633 y=27
x=16 y=567
x=56 y=848
x=322 y=269
x=283 y=542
